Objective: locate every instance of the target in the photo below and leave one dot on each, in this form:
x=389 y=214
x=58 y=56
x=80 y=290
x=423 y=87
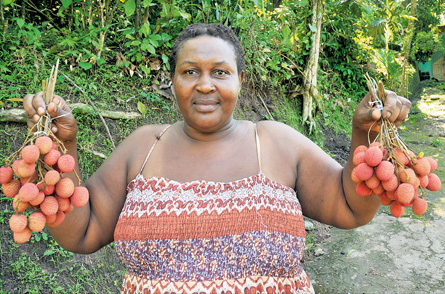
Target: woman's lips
x=205 y=106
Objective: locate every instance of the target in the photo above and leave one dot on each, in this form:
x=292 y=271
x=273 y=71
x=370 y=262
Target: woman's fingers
x=395 y=109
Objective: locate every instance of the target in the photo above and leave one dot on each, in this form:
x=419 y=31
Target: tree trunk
x=407 y=47
x=310 y=91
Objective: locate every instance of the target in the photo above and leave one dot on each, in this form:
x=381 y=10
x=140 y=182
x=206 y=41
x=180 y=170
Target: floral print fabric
x=211 y=237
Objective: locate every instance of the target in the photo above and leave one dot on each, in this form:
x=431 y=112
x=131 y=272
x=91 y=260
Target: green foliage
x=425 y=44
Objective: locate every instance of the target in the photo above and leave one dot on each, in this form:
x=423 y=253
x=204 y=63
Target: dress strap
x=258 y=150
x=158 y=137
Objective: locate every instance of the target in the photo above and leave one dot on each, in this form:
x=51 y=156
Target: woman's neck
x=200 y=136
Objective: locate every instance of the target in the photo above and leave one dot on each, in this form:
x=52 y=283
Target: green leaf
x=145 y=29
x=100 y=61
x=85 y=65
x=7 y=2
x=142 y=108
x=66 y=3
x=148 y=47
x=20 y=22
x=130 y=7
x=49 y=252
x=146 y=3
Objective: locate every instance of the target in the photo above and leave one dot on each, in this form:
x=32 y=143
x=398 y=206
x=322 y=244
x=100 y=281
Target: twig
x=94 y=107
x=265 y=106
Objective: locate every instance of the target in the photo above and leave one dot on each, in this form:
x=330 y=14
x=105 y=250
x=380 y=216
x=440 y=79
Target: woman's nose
x=205 y=84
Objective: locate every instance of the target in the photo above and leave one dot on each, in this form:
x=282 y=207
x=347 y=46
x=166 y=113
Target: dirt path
x=389 y=255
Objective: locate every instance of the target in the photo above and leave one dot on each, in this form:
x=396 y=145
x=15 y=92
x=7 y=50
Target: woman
x=212 y=204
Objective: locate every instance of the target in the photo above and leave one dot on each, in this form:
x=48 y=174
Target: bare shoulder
x=281 y=133
x=136 y=146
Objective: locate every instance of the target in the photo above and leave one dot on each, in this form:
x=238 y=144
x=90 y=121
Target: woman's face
x=206 y=83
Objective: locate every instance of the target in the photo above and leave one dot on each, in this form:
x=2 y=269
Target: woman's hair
x=212 y=29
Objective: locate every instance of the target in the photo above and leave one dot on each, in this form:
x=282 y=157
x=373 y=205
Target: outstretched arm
x=88 y=228
x=326 y=190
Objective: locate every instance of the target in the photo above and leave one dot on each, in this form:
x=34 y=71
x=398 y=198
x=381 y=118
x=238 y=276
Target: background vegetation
x=114 y=55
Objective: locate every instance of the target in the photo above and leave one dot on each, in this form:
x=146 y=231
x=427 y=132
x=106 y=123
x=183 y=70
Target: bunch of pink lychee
x=37 y=181
x=395 y=176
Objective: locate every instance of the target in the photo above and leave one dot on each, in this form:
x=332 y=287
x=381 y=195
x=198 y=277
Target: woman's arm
x=88 y=228
x=325 y=188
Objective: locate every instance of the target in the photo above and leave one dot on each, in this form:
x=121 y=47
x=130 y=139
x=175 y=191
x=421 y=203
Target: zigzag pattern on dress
x=253 y=284
x=187 y=198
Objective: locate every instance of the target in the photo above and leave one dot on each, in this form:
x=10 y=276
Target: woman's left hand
x=366 y=116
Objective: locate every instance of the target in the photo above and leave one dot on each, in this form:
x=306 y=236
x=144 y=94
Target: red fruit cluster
x=36 y=181
x=395 y=176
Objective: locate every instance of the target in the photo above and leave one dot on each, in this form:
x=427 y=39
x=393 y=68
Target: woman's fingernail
x=388 y=115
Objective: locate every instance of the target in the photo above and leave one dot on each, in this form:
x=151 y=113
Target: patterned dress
x=245 y=236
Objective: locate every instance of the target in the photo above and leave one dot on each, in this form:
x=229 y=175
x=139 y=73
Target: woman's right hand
x=63 y=124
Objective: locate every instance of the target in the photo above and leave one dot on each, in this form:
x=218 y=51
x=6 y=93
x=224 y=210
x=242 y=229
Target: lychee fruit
x=364 y=171
x=423 y=181
x=419 y=206
x=433 y=163
x=30 y=179
x=358 y=158
x=407 y=175
x=378 y=190
x=373 y=156
x=361 y=148
x=48 y=189
x=361 y=189
x=23 y=236
x=51 y=218
x=391 y=184
x=49 y=206
x=404 y=193
x=36 y=221
x=396 y=209
x=400 y=156
x=373 y=182
x=52 y=177
x=80 y=196
x=66 y=163
x=52 y=157
x=25 y=169
x=60 y=217
x=18 y=223
x=39 y=199
x=65 y=187
x=12 y=188
x=5 y=174
x=64 y=203
x=69 y=209
x=19 y=205
x=15 y=167
x=384 y=199
x=390 y=195
x=44 y=143
x=30 y=153
x=434 y=183
x=354 y=176
x=28 y=192
x=422 y=167
x=384 y=170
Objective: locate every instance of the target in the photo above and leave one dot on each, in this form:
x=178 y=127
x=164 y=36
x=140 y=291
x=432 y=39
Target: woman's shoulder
x=147 y=132
x=277 y=129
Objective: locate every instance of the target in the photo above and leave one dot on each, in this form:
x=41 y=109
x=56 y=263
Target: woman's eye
x=220 y=72
x=189 y=72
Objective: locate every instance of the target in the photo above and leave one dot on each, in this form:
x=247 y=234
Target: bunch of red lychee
x=37 y=181
x=396 y=176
